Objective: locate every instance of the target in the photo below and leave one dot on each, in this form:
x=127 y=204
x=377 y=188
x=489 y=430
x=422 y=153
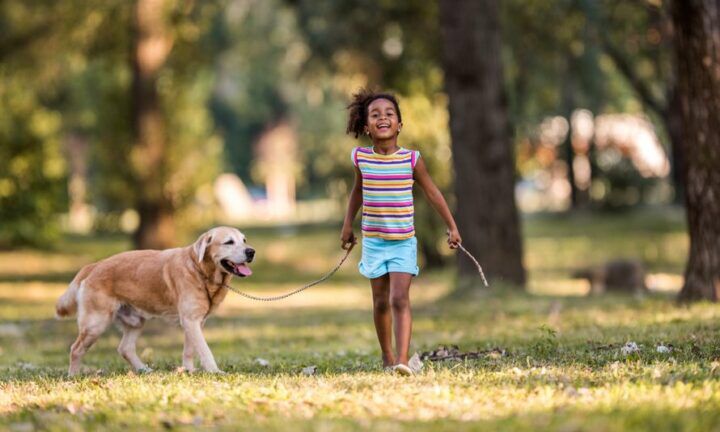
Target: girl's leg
x=382 y=317
x=401 y=315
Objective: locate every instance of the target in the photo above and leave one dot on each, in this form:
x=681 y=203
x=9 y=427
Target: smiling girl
x=384 y=178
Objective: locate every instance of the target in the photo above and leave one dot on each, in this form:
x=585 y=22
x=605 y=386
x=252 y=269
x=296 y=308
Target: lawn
x=553 y=356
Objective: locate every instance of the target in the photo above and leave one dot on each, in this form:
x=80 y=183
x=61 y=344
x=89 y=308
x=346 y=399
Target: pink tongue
x=243 y=269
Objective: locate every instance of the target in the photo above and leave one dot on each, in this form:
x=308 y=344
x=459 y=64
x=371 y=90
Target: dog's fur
x=130 y=287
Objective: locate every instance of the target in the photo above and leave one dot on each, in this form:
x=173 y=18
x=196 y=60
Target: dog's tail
x=66 y=305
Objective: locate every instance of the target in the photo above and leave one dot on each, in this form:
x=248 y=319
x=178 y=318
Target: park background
x=565 y=134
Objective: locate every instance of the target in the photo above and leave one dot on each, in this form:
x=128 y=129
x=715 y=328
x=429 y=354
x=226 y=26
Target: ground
x=559 y=364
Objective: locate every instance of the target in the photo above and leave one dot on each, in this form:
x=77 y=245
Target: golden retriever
x=184 y=283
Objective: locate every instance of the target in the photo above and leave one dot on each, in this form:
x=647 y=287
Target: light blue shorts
x=380 y=256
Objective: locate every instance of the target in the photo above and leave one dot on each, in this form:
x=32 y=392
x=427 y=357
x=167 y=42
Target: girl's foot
x=402 y=369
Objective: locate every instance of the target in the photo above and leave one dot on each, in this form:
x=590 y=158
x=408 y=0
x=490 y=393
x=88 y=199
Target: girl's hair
x=357 y=110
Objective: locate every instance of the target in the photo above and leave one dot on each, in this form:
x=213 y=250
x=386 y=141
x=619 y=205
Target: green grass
x=563 y=369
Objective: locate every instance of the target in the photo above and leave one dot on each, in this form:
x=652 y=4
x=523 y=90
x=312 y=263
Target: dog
x=184 y=284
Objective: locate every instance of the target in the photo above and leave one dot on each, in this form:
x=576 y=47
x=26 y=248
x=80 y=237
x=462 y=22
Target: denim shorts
x=380 y=256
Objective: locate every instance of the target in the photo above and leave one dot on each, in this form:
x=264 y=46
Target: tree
x=479 y=128
x=697 y=47
x=151 y=45
x=170 y=58
x=645 y=31
x=37 y=50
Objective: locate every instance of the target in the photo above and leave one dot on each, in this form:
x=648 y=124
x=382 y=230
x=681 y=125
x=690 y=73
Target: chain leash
x=332 y=272
x=301 y=289
x=477 y=264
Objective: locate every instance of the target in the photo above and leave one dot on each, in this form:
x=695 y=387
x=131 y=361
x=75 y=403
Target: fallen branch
x=452 y=352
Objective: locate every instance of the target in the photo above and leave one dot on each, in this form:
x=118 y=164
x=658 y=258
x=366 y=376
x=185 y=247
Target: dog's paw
x=144 y=370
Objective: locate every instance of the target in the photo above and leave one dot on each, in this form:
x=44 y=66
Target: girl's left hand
x=454 y=238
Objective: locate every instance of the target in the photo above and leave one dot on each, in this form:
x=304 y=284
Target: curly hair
x=357 y=110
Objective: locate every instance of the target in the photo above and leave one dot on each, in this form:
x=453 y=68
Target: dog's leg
x=91 y=327
x=188 y=359
x=193 y=333
x=127 y=348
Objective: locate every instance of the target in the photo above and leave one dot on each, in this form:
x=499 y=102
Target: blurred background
x=575 y=140
x=144 y=123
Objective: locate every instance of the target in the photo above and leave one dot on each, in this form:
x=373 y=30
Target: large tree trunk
x=482 y=154
x=151 y=45
x=697 y=47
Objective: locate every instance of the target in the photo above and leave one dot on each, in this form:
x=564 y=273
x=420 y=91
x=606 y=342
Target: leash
x=477 y=264
x=322 y=279
x=301 y=289
x=482 y=275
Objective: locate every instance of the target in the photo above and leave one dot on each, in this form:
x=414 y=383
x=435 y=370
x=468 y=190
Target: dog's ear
x=201 y=244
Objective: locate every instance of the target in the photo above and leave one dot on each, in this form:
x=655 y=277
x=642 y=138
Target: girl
x=384 y=175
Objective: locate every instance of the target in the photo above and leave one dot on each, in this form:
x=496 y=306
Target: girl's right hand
x=347 y=238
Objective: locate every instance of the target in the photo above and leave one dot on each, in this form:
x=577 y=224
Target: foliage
x=32 y=177
x=32 y=167
x=239 y=67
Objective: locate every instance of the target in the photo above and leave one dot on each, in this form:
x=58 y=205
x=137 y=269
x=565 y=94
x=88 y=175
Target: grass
x=562 y=368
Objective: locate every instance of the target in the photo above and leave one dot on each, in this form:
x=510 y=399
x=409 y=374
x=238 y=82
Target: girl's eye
x=229 y=242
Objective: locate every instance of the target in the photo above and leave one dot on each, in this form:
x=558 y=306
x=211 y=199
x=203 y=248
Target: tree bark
x=673 y=120
x=697 y=48
x=482 y=152
x=151 y=45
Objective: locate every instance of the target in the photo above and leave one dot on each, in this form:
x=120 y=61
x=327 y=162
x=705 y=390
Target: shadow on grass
x=58 y=277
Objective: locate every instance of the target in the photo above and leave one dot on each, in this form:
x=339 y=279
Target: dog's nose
x=250 y=254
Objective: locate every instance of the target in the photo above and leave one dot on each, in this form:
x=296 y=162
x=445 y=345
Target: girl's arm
x=437 y=200
x=354 y=204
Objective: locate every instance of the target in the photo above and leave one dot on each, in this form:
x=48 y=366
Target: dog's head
x=227 y=248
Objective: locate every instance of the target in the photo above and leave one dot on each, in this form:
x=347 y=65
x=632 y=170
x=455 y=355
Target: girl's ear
x=201 y=244
x=399 y=127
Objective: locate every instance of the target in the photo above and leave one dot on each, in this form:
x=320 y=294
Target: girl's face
x=382 y=121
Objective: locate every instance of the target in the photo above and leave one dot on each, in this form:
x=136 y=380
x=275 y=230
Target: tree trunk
x=673 y=120
x=151 y=45
x=697 y=47
x=568 y=106
x=482 y=154
x=79 y=213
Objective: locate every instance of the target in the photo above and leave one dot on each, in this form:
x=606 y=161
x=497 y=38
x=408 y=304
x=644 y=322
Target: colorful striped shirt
x=387 y=182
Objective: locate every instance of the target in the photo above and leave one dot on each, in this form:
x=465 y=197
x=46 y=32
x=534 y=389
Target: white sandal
x=403 y=370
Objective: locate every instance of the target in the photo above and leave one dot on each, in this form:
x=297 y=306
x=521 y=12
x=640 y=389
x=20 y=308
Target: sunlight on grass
x=562 y=366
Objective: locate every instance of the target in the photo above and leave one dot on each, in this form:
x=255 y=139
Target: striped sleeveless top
x=387 y=182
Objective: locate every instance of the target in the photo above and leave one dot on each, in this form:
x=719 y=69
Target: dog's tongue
x=243 y=269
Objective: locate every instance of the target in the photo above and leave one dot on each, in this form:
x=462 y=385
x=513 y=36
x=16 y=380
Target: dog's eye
x=229 y=242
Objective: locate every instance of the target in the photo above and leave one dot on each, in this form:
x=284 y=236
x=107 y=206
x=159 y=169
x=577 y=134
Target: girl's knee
x=381 y=303
x=400 y=301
